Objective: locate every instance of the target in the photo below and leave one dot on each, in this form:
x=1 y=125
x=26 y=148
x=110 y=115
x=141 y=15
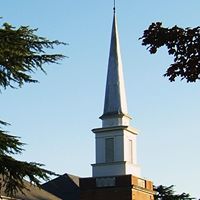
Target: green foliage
x=168 y=193
x=13 y=171
x=183 y=44
x=21 y=54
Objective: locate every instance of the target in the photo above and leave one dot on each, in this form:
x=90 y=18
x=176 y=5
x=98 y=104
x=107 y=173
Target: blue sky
x=55 y=116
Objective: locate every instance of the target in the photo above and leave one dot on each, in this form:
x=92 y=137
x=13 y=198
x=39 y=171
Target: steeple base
x=115 y=169
x=115 y=151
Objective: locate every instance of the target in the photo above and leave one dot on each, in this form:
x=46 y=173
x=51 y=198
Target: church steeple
x=115 y=97
x=115 y=104
x=115 y=140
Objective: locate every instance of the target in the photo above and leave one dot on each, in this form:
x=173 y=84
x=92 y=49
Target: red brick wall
x=126 y=188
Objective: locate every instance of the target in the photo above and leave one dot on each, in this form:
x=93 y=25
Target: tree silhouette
x=183 y=44
x=168 y=193
x=22 y=53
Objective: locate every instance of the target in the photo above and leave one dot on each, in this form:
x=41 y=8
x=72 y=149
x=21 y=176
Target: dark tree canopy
x=183 y=44
x=12 y=171
x=22 y=52
x=168 y=193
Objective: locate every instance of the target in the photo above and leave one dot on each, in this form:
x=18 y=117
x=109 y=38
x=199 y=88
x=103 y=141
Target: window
x=109 y=149
x=130 y=151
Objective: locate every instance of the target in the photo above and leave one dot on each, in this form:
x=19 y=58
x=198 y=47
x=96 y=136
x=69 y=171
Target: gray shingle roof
x=33 y=193
x=65 y=187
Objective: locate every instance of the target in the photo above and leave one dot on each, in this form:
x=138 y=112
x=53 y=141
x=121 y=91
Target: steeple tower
x=116 y=140
x=115 y=105
x=115 y=97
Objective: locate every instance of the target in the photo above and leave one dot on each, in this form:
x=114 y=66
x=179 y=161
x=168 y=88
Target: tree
x=183 y=44
x=168 y=193
x=22 y=53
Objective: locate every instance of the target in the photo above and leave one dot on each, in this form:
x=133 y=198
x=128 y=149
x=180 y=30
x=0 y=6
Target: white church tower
x=116 y=139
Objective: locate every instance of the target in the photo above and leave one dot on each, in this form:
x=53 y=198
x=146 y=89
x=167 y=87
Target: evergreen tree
x=182 y=44
x=168 y=193
x=22 y=53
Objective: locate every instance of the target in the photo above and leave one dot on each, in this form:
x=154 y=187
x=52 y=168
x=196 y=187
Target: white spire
x=115 y=140
x=115 y=96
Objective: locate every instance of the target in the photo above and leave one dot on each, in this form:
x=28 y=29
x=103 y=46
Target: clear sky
x=55 y=117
